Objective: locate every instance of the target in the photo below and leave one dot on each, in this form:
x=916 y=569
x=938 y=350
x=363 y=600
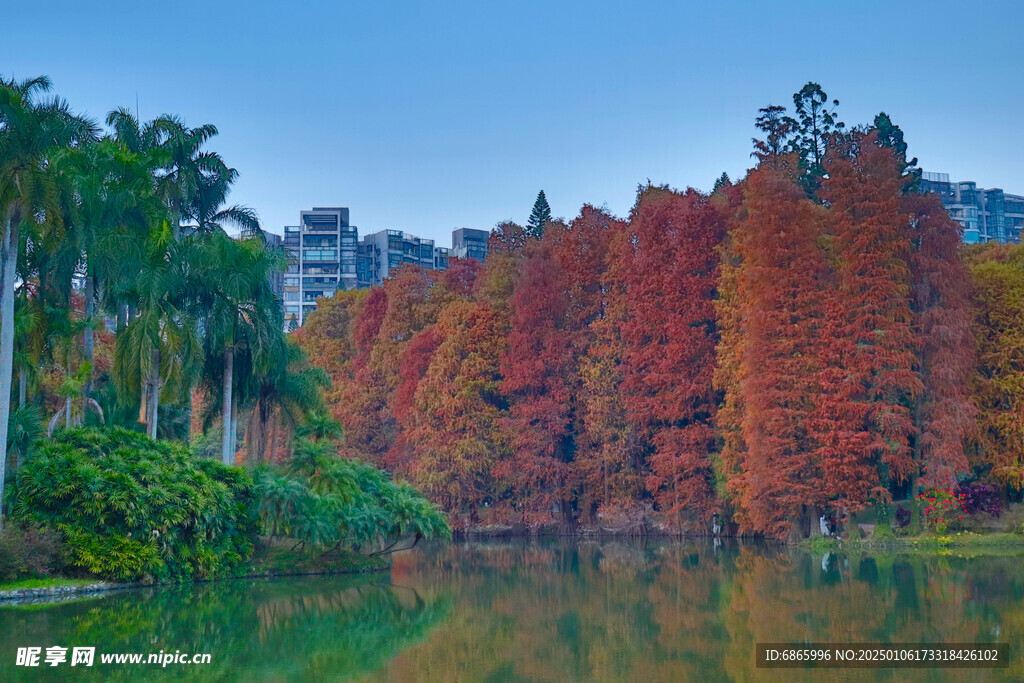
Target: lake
x=543 y=611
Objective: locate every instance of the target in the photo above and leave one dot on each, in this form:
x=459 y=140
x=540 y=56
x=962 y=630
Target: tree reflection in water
x=678 y=611
x=554 y=611
x=311 y=628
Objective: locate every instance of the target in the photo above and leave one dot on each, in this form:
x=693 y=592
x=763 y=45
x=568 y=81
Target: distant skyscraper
x=470 y=243
x=389 y=249
x=984 y=215
x=322 y=252
x=325 y=255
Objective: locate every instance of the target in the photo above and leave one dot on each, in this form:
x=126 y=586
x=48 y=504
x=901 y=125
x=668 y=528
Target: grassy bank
x=268 y=561
x=965 y=540
x=48 y=582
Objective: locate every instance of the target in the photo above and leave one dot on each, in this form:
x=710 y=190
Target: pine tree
x=540 y=215
x=777 y=128
x=813 y=128
x=723 y=182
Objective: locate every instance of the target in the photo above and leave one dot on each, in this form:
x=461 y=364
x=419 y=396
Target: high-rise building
x=323 y=252
x=470 y=243
x=388 y=249
x=325 y=255
x=441 y=256
x=984 y=215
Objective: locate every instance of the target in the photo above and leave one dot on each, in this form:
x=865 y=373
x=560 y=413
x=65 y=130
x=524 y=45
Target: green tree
x=722 y=182
x=540 y=215
x=113 y=198
x=777 y=129
x=192 y=182
x=31 y=130
x=891 y=135
x=240 y=314
x=816 y=121
x=287 y=393
x=160 y=350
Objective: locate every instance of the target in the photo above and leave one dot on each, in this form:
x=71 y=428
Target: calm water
x=520 y=611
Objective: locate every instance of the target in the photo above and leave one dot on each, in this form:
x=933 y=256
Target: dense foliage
x=325 y=502
x=132 y=508
x=29 y=551
x=123 y=300
x=799 y=343
x=806 y=341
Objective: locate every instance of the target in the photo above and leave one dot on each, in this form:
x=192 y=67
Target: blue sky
x=426 y=116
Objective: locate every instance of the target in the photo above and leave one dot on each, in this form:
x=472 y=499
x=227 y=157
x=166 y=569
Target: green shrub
x=29 y=552
x=131 y=508
x=323 y=501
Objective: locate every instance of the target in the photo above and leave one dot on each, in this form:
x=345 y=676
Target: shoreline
x=923 y=542
x=920 y=543
x=76 y=589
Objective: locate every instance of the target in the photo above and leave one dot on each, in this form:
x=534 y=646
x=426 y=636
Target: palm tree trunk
x=275 y=427
x=226 y=454
x=87 y=341
x=8 y=269
x=196 y=403
x=256 y=434
x=154 y=395
x=143 y=418
x=22 y=387
x=234 y=424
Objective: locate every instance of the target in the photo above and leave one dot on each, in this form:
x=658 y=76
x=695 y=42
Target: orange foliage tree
x=667 y=261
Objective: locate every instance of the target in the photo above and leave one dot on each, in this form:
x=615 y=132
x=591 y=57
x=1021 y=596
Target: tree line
x=812 y=339
x=124 y=300
x=127 y=307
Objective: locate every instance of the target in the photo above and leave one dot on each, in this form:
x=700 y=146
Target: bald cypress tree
x=540 y=215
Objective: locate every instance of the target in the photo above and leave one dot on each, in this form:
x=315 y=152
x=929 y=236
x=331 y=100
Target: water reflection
x=315 y=628
x=621 y=611
x=550 y=611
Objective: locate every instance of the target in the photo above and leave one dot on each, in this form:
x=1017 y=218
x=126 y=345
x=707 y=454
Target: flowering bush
x=941 y=507
x=982 y=498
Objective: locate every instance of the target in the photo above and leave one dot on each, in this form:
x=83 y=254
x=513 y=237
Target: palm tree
x=320 y=426
x=193 y=184
x=287 y=393
x=241 y=314
x=160 y=350
x=114 y=200
x=31 y=130
x=204 y=210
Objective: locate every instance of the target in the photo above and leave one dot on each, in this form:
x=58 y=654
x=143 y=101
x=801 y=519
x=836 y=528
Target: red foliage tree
x=668 y=262
x=868 y=379
x=415 y=361
x=607 y=461
x=946 y=412
x=454 y=429
x=779 y=291
x=540 y=377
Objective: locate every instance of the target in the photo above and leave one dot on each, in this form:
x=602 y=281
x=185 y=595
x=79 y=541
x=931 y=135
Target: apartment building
x=985 y=215
x=323 y=255
x=387 y=250
x=470 y=243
